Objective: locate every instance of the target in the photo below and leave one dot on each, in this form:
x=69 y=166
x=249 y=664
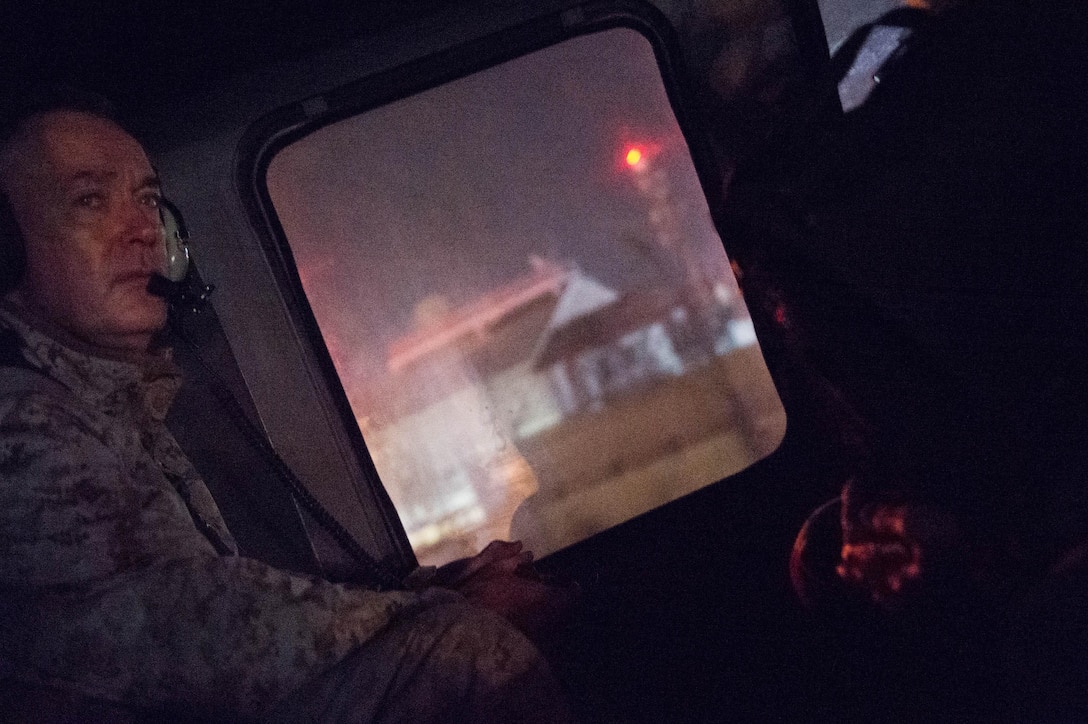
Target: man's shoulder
x=28 y=397
x=18 y=383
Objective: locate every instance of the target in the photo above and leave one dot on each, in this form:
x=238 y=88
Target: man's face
x=86 y=200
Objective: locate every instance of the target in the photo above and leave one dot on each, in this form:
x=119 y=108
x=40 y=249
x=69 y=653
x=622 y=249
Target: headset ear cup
x=176 y=236
x=12 y=248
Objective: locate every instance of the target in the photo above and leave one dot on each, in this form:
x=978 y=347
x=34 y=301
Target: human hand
x=499 y=558
x=892 y=550
x=502 y=578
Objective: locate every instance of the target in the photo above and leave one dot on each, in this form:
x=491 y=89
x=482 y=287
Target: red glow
x=634 y=156
x=780 y=315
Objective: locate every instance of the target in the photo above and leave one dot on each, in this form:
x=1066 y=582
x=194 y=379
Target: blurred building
x=472 y=383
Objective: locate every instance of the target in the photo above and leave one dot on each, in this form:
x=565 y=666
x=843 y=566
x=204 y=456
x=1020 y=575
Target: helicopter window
x=531 y=313
x=843 y=16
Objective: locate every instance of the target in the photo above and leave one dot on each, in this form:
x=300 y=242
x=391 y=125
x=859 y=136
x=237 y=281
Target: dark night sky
x=450 y=191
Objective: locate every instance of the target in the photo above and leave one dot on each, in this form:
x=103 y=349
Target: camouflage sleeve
x=112 y=591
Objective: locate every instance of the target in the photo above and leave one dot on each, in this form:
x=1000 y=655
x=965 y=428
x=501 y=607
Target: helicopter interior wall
x=212 y=413
x=197 y=153
x=687 y=609
x=688 y=613
x=260 y=309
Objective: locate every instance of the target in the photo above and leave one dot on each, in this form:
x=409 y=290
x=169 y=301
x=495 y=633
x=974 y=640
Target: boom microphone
x=160 y=286
x=187 y=295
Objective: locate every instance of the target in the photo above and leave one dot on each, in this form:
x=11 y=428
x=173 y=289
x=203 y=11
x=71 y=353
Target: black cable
x=190 y=296
x=382 y=575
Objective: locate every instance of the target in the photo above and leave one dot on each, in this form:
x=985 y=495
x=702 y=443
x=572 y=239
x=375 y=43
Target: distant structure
x=472 y=382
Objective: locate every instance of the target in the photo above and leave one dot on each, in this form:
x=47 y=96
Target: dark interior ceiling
x=137 y=52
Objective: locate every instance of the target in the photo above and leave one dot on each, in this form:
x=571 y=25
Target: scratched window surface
x=531 y=313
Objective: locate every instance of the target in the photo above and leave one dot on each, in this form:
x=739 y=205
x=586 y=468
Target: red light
x=633 y=157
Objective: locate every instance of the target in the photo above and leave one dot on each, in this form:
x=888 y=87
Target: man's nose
x=142 y=224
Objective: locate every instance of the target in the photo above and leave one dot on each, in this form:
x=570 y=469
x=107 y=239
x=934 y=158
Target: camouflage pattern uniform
x=120 y=579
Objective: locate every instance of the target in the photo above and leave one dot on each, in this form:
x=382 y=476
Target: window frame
x=288 y=124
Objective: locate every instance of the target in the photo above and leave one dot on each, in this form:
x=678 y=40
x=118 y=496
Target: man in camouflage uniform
x=120 y=581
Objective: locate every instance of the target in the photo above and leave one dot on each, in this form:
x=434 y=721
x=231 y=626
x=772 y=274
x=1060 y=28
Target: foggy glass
x=841 y=17
x=531 y=313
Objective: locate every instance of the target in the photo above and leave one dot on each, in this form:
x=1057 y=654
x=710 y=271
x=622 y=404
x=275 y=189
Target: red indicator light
x=633 y=156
